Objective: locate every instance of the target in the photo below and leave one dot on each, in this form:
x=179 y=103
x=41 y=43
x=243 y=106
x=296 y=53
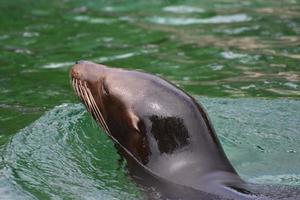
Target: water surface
x=240 y=58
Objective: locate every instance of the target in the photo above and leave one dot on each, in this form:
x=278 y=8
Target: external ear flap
x=134 y=121
x=105 y=88
x=138 y=141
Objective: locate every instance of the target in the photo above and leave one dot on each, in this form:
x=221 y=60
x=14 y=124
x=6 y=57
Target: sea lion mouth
x=84 y=93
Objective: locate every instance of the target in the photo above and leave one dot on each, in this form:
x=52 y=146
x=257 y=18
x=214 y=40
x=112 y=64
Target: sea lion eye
x=105 y=88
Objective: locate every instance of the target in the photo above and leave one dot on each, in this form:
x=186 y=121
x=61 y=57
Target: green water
x=240 y=58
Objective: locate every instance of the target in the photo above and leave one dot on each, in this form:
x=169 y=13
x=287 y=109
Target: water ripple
x=54 y=154
x=219 y=19
x=63 y=155
x=123 y=56
x=232 y=55
x=93 y=20
x=31 y=34
x=291 y=179
x=182 y=9
x=57 y=65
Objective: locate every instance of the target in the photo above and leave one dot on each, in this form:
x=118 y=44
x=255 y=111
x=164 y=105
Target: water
x=240 y=58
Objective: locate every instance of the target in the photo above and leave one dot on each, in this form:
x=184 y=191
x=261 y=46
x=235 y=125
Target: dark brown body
x=164 y=134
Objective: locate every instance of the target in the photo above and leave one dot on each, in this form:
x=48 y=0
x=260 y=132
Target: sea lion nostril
x=75 y=72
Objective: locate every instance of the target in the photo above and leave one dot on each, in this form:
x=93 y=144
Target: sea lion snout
x=87 y=71
x=77 y=71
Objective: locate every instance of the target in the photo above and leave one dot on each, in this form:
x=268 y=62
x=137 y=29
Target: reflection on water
x=211 y=48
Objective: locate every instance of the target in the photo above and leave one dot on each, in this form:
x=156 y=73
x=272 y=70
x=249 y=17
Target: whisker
x=84 y=96
x=94 y=109
x=97 y=109
x=91 y=105
x=83 y=91
x=76 y=88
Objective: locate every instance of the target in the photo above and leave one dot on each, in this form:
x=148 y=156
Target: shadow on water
x=65 y=155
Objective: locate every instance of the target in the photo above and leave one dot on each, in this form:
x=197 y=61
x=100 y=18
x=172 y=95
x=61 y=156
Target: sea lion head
x=108 y=94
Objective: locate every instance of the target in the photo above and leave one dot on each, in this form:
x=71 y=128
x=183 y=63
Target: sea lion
x=164 y=134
